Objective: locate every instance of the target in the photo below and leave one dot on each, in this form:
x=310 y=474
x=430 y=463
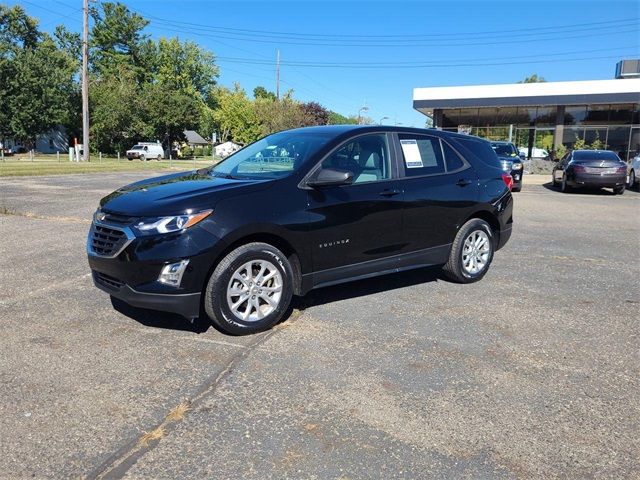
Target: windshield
x=504 y=149
x=275 y=156
x=138 y=147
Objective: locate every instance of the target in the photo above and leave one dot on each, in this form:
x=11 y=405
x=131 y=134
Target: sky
x=351 y=54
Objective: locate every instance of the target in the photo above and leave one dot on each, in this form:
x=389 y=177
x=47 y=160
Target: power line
x=412 y=37
x=304 y=63
x=556 y=36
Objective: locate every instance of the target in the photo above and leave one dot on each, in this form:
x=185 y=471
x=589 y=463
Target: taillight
x=622 y=170
x=579 y=168
x=508 y=180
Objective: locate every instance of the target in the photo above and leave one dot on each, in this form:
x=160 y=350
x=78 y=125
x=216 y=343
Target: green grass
x=49 y=165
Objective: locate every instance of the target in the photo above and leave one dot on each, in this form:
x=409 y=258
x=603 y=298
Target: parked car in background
x=634 y=169
x=510 y=161
x=298 y=210
x=536 y=153
x=590 y=168
x=146 y=151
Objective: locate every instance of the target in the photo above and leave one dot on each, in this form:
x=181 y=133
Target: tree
x=278 y=115
x=117 y=41
x=261 y=92
x=40 y=90
x=315 y=114
x=168 y=112
x=185 y=67
x=235 y=117
x=533 y=79
x=338 y=119
x=117 y=113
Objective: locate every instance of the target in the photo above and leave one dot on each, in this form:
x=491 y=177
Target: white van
x=146 y=151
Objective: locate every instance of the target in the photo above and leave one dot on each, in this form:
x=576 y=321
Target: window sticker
x=412 y=157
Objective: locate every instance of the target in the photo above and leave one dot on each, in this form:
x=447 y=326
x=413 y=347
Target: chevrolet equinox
x=298 y=210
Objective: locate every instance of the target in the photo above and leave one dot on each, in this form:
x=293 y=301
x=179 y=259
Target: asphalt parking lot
x=533 y=372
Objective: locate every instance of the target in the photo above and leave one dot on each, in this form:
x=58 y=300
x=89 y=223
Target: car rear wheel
x=159 y=157
x=471 y=253
x=564 y=188
x=249 y=290
x=632 y=179
x=618 y=190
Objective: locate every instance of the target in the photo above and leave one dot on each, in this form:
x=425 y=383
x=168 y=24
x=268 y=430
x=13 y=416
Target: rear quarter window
x=481 y=149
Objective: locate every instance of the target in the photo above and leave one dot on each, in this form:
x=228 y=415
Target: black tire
x=142 y=158
x=632 y=179
x=618 y=190
x=215 y=299
x=453 y=269
x=564 y=188
x=517 y=189
x=553 y=180
x=159 y=157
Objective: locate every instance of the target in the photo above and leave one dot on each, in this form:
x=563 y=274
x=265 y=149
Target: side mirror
x=331 y=176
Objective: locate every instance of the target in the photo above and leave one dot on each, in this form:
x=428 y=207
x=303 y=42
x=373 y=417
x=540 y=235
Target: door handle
x=463 y=182
x=389 y=193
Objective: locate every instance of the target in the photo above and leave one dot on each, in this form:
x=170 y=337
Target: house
x=55 y=140
x=225 y=149
x=193 y=139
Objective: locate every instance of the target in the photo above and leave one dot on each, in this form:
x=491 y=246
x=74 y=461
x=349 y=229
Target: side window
x=453 y=160
x=422 y=155
x=367 y=157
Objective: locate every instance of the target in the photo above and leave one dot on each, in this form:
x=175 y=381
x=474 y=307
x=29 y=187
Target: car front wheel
x=471 y=252
x=249 y=290
x=632 y=179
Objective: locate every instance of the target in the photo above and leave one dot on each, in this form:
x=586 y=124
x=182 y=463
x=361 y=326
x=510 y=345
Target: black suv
x=510 y=161
x=298 y=210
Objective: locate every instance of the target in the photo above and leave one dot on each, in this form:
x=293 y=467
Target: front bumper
x=596 y=180
x=131 y=272
x=185 y=304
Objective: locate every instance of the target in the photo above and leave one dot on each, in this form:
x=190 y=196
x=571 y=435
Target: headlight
x=176 y=223
x=517 y=166
x=98 y=216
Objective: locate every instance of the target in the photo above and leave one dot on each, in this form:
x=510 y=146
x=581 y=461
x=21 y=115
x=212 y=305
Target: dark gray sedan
x=590 y=168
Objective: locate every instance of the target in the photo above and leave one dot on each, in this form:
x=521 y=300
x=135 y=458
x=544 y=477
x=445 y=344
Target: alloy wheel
x=476 y=252
x=254 y=290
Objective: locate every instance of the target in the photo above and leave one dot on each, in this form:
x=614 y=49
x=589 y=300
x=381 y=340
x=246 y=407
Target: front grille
x=107 y=241
x=116 y=219
x=108 y=281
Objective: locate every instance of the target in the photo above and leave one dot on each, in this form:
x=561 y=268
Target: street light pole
x=383 y=118
x=363 y=109
x=85 y=81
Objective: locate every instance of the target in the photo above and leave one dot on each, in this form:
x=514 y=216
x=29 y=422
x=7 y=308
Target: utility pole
x=85 y=80
x=278 y=75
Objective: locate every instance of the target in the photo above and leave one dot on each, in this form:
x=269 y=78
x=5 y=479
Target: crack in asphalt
x=119 y=463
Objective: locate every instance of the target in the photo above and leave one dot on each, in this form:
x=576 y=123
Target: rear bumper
x=505 y=235
x=596 y=180
x=185 y=304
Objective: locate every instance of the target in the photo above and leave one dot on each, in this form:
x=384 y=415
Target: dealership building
x=602 y=113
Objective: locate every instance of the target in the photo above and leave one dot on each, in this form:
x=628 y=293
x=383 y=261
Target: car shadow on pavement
x=321 y=296
x=583 y=190
x=369 y=286
x=158 y=319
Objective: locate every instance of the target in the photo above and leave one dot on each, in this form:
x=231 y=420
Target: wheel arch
x=272 y=239
x=491 y=219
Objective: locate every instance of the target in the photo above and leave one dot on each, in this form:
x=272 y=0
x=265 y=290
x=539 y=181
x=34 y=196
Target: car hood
x=176 y=193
